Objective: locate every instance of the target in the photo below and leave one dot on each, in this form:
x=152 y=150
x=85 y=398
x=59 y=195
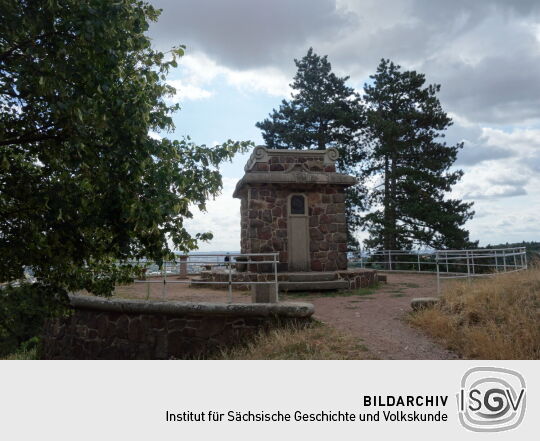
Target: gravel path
x=379 y=318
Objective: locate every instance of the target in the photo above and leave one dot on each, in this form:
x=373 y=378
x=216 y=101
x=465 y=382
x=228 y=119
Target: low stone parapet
x=101 y=328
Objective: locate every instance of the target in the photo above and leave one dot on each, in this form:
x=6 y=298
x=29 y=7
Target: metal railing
x=479 y=262
x=446 y=264
x=228 y=261
x=396 y=260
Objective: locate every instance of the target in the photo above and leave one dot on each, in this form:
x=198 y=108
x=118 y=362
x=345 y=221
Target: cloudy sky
x=484 y=53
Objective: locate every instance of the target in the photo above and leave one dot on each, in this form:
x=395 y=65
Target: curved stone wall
x=133 y=329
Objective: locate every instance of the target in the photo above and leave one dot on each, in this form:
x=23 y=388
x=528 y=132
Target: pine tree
x=323 y=113
x=404 y=124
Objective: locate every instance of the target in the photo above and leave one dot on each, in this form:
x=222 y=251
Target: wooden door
x=298 y=233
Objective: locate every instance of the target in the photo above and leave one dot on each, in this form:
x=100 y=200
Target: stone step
x=323 y=285
x=200 y=282
x=312 y=277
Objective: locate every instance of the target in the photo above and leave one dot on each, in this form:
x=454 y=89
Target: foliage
x=532 y=249
x=82 y=184
x=404 y=121
x=323 y=113
x=23 y=354
x=22 y=312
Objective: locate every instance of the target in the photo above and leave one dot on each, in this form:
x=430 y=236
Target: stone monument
x=293 y=203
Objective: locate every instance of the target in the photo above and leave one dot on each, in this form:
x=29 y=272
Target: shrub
x=23 y=310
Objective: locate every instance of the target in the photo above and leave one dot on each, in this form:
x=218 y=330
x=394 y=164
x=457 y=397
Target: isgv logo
x=491 y=399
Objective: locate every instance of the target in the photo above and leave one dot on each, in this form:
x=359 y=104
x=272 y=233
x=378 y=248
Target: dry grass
x=314 y=342
x=496 y=318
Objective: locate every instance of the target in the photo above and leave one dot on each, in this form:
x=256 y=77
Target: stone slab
x=324 y=285
x=312 y=276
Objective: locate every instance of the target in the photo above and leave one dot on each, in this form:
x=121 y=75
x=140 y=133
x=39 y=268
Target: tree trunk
x=393 y=209
x=386 y=203
x=321 y=136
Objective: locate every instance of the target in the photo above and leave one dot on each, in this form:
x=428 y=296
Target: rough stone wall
x=115 y=334
x=264 y=224
x=245 y=245
x=264 y=217
x=327 y=229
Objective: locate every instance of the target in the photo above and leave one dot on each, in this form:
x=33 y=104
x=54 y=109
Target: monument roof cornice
x=293 y=177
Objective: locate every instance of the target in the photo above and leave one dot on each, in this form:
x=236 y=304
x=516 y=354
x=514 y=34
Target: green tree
x=323 y=113
x=404 y=122
x=82 y=184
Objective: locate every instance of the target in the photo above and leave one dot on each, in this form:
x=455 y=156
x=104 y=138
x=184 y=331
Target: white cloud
x=496 y=178
x=494 y=191
x=505 y=223
x=222 y=218
x=199 y=71
x=186 y=91
x=525 y=142
x=268 y=80
x=505 y=191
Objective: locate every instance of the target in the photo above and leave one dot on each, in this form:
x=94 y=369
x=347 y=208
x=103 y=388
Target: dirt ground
x=179 y=291
x=377 y=317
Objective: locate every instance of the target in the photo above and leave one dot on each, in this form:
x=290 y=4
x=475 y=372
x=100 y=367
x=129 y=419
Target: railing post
x=496 y=262
x=389 y=260
x=446 y=259
x=229 y=298
x=504 y=260
x=164 y=293
x=418 y=258
x=438 y=275
x=468 y=266
x=276 y=277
